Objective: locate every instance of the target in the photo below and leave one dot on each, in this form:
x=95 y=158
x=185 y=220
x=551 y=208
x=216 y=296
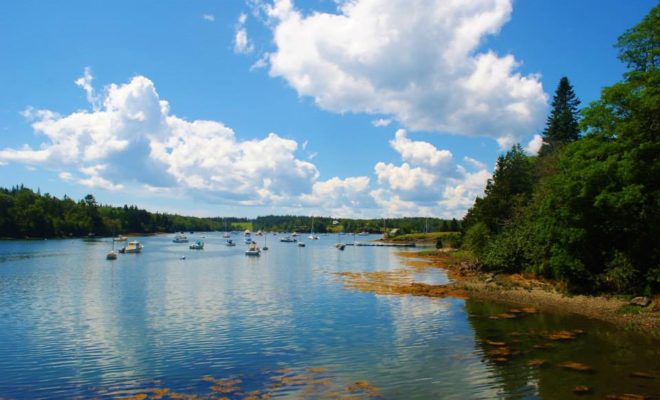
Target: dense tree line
x=28 y=214
x=24 y=213
x=587 y=209
x=290 y=223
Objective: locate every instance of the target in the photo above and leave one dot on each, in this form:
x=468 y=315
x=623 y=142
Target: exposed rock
x=576 y=366
x=581 y=389
x=469 y=267
x=561 y=335
x=626 y=396
x=641 y=301
x=494 y=343
x=507 y=316
x=644 y=375
x=536 y=363
x=544 y=346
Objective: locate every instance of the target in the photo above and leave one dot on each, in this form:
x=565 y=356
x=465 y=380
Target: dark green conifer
x=562 y=124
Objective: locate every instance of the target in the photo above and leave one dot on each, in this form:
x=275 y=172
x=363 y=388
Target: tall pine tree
x=562 y=124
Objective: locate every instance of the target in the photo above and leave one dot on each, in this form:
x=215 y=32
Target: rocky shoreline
x=467 y=281
x=520 y=290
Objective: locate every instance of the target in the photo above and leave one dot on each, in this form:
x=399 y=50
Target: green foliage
x=591 y=216
x=513 y=250
x=477 y=238
x=508 y=191
x=562 y=125
x=24 y=213
x=639 y=47
x=290 y=223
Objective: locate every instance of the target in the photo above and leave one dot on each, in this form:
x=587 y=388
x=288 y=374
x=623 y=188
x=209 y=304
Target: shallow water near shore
x=220 y=324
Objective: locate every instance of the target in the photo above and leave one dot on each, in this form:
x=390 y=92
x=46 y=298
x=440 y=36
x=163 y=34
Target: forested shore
x=25 y=213
x=585 y=211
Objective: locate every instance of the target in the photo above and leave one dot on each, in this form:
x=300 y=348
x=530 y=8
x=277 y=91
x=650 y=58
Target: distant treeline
x=28 y=214
x=24 y=213
x=290 y=223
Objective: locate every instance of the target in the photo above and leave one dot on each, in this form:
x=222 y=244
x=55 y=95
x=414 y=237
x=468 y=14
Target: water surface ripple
x=75 y=325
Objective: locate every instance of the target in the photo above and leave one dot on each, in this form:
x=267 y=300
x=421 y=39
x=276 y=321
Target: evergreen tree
x=509 y=188
x=562 y=124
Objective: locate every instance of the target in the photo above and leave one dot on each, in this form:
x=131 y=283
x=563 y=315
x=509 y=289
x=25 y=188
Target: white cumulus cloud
x=416 y=60
x=135 y=139
x=242 y=44
x=428 y=179
x=347 y=197
x=534 y=145
x=381 y=122
x=419 y=152
x=130 y=139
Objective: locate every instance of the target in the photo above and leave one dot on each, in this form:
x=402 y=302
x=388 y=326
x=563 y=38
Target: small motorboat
x=294 y=234
x=226 y=235
x=253 y=250
x=119 y=239
x=230 y=243
x=288 y=239
x=313 y=237
x=180 y=239
x=198 y=245
x=248 y=240
x=132 y=247
x=301 y=244
x=340 y=246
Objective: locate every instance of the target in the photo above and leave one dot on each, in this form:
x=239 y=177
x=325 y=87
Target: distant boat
x=259 y=233
x=363 y=233
x=247 y=232
x=312 y=236
x=294 y=234
x=301 y=244
x=230 y=243
x=132 y=247
x=265 y=242
x=253 y=250
x=180 y=239
x=198 y=245
x=248 y=240
x=119 y=239
x=288 y=239
x=112 y=255
x=340 y=245
x=226 y=235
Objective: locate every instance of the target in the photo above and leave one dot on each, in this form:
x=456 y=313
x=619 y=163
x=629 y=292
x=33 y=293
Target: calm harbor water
x=222 y=324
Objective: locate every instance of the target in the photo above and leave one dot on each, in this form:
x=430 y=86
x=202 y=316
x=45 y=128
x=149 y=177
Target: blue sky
x=256 y=107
